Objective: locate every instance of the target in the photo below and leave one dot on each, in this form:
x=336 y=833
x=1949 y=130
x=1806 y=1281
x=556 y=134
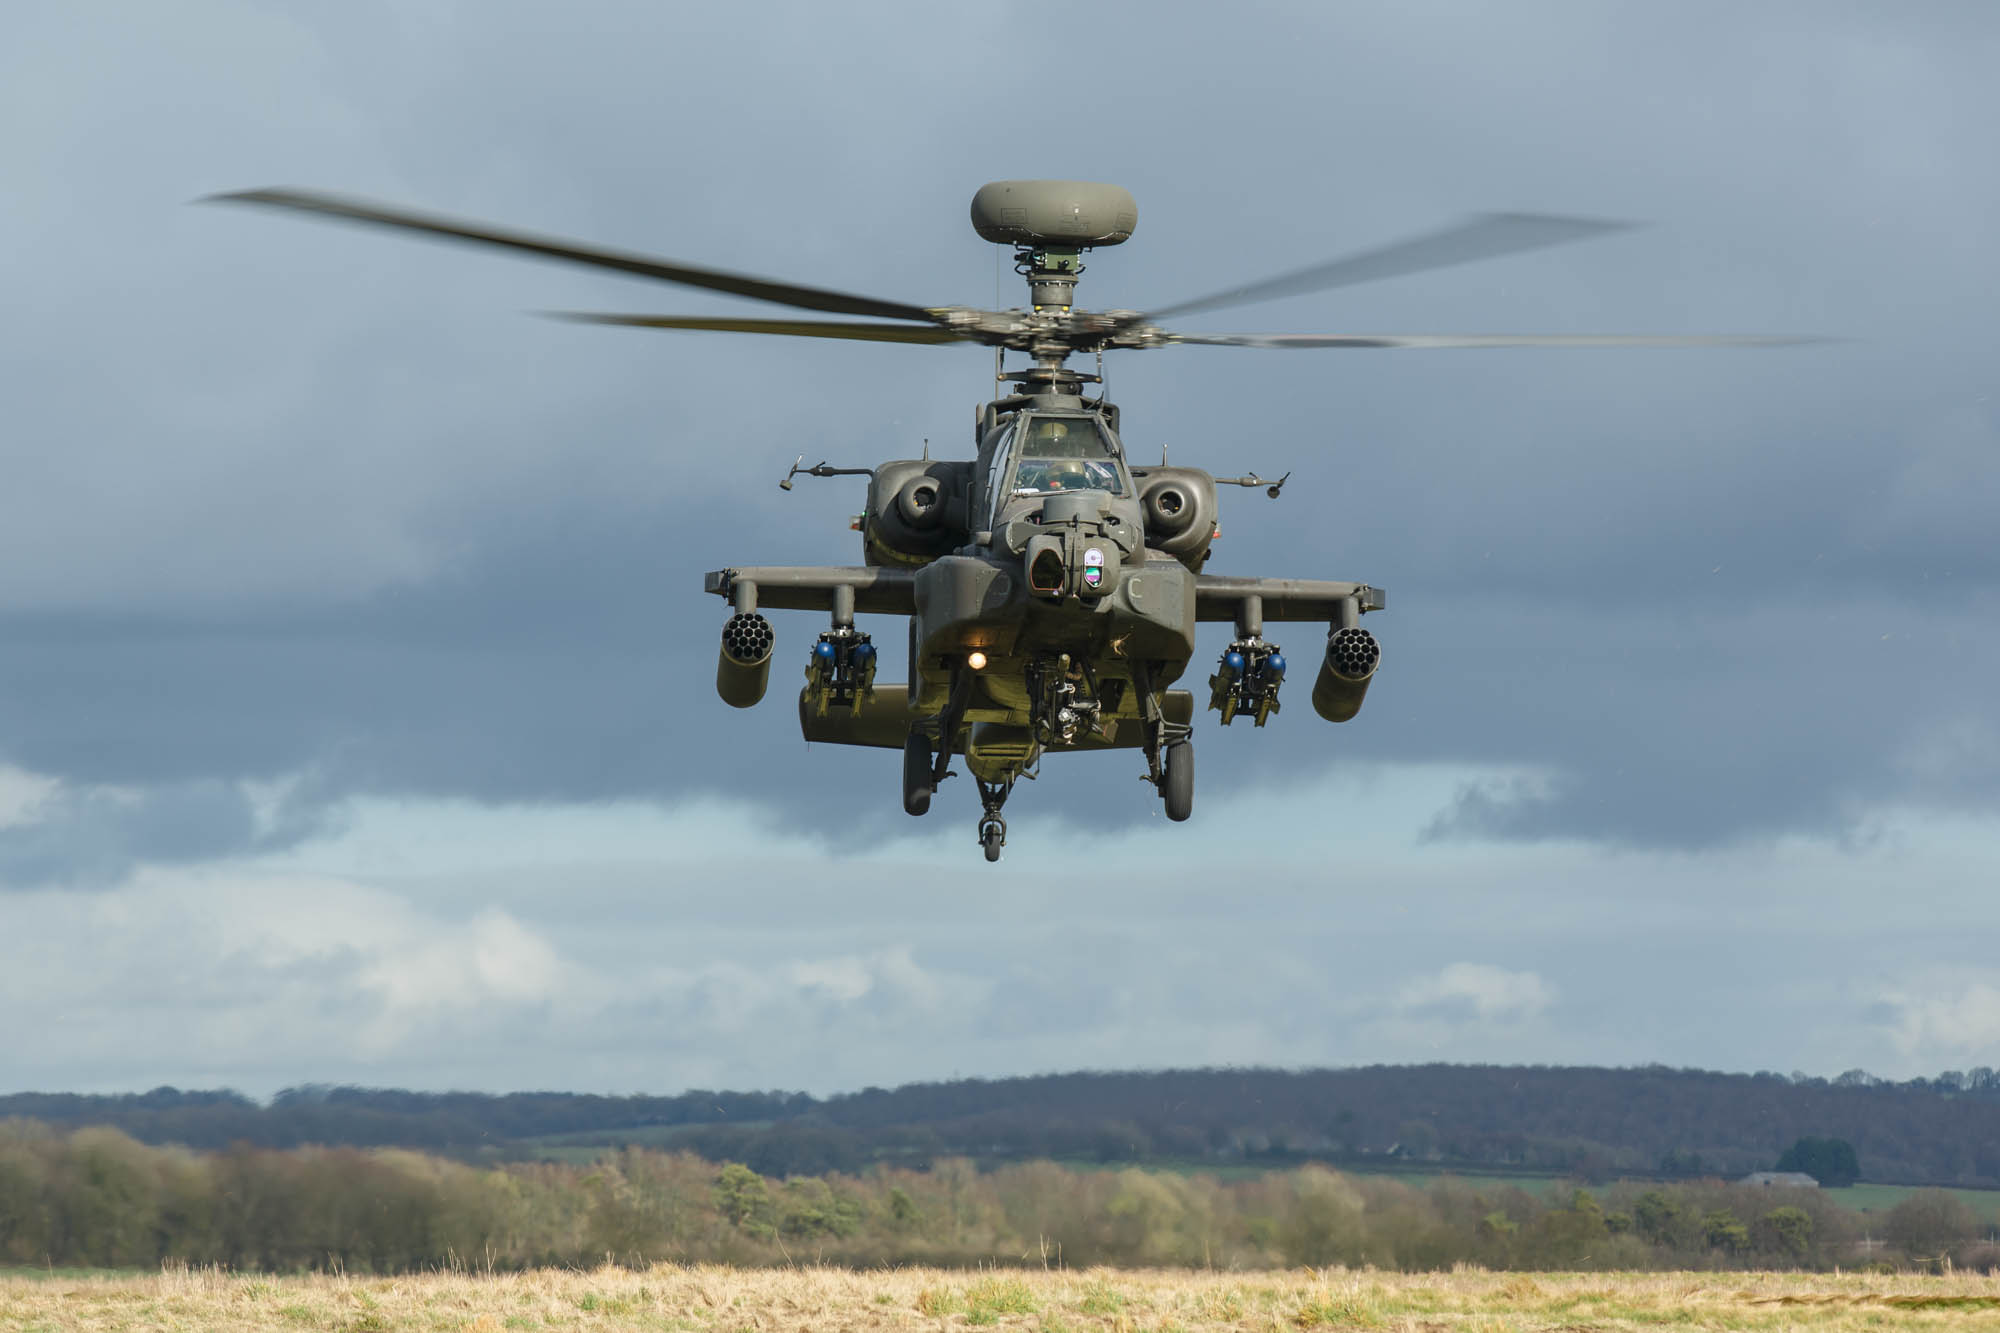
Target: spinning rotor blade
x=1486 y=236
x=645 y=266
x=800 y=328
x=1449 y=340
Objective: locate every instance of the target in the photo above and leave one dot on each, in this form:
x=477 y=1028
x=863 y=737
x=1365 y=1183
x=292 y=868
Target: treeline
x=1598 y=1124
x=98 y=1198
x=446 y=1122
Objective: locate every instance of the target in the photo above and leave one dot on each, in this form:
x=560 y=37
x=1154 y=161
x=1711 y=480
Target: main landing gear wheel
x=917 y=775
x=1177 y=785
x=992 y=836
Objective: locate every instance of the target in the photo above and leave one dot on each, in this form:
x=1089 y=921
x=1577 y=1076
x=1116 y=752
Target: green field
x=1864 y=1198
x=588 y=1145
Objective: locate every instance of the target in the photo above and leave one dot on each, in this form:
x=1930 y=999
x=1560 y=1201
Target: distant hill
x=1595 y=1123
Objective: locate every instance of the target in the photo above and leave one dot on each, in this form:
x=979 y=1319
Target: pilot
x=1068 y=474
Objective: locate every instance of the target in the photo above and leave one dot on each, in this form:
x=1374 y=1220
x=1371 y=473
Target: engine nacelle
x=916 y=511
x=1351 y=658
x=1180 y=508
x=743 y=667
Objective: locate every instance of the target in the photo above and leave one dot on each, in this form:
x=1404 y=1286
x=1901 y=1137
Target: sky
x=357 y=719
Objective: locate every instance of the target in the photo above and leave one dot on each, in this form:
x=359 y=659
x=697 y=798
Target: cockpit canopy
x=1050 y=454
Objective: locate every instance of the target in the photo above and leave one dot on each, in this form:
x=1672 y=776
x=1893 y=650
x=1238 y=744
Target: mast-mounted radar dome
x=1067 y=214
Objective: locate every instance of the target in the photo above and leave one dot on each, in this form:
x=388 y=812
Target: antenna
x=823 y=469
x=1271 y=488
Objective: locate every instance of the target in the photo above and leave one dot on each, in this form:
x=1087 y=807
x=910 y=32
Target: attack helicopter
x=1052 y=583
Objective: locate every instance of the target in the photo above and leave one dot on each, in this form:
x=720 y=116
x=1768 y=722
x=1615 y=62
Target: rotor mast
x=1050 y=224
x=1051 y=272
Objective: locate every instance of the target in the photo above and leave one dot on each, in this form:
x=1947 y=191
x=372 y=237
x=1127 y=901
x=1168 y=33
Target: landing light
x=977 y=661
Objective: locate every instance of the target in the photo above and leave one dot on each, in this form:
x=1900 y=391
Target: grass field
x=1985 y=1204
x=838 y=1300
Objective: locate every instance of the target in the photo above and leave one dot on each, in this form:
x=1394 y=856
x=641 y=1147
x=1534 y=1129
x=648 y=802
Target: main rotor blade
x=1487 y=236
x=801 y=328
x=1449 y=340
x=645 y=266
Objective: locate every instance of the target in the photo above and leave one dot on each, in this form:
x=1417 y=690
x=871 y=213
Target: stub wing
x=879 y=591
x=1221 y=597
x=889 y=592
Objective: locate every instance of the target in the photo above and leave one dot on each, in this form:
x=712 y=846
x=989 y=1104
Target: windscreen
x=1065 y=454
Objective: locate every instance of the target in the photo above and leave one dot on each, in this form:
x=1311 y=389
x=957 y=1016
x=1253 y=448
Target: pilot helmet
x=1068 y=474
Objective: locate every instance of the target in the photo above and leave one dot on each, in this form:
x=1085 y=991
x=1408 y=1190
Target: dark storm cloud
x=323 y=507
x=96 y=837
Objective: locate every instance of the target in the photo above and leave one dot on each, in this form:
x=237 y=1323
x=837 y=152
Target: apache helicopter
x=1052 y=585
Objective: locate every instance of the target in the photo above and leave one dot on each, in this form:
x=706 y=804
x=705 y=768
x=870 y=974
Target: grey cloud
x=96 y=837
x=681 y=964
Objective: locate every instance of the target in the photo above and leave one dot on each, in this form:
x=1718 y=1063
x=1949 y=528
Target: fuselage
x=1055 y=574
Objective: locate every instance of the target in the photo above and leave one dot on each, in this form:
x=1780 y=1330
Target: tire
x=916 y=775
x=991 y=842
x=1177 y=789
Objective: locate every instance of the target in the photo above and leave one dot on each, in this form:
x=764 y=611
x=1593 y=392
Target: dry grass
x=709 y=1298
